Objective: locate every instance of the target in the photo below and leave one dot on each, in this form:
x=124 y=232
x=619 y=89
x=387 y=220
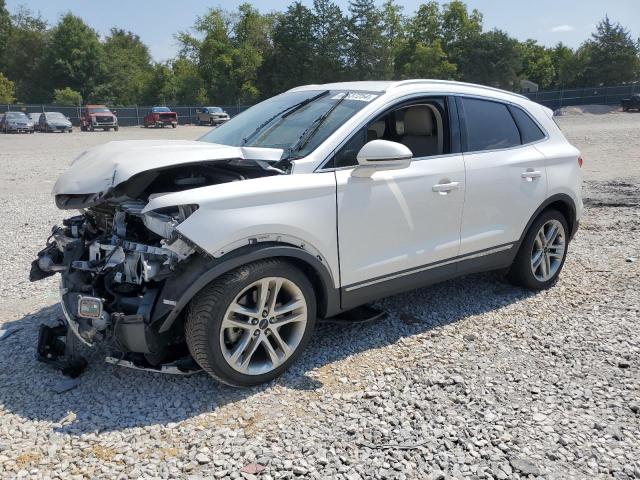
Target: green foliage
x=366 y=42
x=610 y=56
x=6 y=90
x=242 y=56
x=24 y=62
x=537 y=64
x=291 y=60
x=128 y=69
x=490 y=58
x=5 y=27
x=329 y=44
x=66 y=96
x=75 y=57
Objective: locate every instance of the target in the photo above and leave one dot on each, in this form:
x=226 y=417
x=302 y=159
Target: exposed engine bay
x=115 y=260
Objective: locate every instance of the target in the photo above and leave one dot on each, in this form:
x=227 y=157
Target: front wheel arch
x=199 y=271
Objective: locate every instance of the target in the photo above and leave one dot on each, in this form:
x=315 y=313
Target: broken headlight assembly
x=163 y=221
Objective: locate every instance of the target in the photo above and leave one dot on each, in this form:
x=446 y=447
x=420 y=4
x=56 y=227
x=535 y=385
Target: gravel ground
x=472 y=378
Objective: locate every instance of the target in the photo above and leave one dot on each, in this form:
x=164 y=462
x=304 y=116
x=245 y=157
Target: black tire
x=206 y=311
x=173 y=125
x=116 y=128
x=521 y=272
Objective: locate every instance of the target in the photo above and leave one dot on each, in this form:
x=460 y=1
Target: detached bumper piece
x=182 y=366
x=56 y=348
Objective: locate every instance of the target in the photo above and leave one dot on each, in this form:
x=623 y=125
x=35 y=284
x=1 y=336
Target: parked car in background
x=54 y=122
x=98 y=116
x=161 y=117
x=211 y=116
x=631 y=103
x=308 y=205
x=16 y=122
x=34 y=117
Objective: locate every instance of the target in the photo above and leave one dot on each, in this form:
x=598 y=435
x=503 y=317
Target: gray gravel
x=469 y=379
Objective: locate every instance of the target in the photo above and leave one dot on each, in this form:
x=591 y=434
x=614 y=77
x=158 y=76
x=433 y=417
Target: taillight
x=580 y=162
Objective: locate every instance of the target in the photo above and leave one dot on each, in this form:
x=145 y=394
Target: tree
x=23 y=64
x=428 y=61
x=329 y=32
x=5 y=28
x=490 y=58
x=66 y=96
x=610 y=56
x=75 y=57
x=293 y=44
x=458 y=26
x=394 y=37
x=128 y=68
x=365 y=40
x=537 y=64
x=6 y=90
x=566 y=66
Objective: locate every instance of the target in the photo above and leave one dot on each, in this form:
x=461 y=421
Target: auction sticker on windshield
x=357 y=96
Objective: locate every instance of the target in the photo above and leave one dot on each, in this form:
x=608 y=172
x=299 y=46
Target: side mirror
x=379 y=155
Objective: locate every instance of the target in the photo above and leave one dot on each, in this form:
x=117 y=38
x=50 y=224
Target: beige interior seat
x=376 y=130
x=419 y=135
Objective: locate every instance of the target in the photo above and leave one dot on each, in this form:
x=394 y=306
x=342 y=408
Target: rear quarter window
x=488 y=125
x=529 y=131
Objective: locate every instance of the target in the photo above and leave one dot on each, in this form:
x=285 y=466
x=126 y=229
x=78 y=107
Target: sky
x=548 y=21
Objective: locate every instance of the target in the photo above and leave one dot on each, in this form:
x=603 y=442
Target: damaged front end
x=113 y=260
x=121 y=269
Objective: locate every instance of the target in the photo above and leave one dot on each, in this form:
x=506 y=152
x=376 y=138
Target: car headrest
x=378 y=127
x=418 y=121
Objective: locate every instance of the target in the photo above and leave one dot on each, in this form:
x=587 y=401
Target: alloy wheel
x=548 y=250
x=263 y=326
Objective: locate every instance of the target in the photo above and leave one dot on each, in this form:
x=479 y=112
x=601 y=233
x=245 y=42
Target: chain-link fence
x=555 y=99
x=127 y=116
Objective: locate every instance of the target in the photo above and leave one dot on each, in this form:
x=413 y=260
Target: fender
x=570 y=211
x=178 y=290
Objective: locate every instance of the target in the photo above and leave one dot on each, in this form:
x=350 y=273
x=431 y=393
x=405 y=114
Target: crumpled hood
x=101 y=168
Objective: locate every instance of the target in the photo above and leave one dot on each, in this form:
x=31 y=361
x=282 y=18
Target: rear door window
x=488 y=125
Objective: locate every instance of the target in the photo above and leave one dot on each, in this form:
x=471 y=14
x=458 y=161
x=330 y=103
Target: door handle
x=531 y=174
x=444 y=188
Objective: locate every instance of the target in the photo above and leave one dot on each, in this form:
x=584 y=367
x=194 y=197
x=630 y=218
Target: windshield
x=161 y=110
x=289 y=123
x=55 y=115
x=214 y=109
x=99 y=110
x=16 y=115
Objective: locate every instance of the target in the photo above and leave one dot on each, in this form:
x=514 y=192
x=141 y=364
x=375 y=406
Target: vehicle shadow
x=112 y=398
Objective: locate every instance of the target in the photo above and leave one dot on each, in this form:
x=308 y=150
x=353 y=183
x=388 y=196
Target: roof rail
x=451 y=82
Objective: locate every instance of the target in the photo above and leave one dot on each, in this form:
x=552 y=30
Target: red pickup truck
x=161 y=116
x=98 y=116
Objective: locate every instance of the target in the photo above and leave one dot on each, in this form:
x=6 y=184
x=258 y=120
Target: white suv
x=305 y=206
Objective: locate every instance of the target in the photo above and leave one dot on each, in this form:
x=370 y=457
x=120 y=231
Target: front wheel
x=542 y=253
x=248 y=326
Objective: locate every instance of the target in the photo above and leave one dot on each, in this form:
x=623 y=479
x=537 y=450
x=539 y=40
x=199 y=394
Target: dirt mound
x=587 y=110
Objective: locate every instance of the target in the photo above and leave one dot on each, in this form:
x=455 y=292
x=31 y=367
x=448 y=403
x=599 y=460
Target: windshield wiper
x=282 y=114
x=308 y=134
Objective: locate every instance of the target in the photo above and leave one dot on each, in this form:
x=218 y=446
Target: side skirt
x=494 y=258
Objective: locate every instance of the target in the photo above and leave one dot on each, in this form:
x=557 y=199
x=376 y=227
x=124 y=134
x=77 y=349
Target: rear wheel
x=251 y=324
x=542 y=253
